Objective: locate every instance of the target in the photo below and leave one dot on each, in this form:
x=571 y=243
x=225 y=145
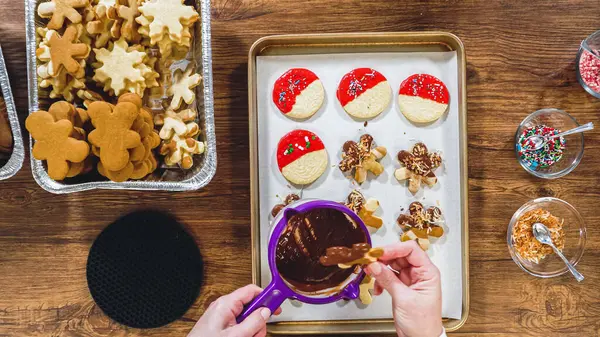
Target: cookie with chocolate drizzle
x=418 y=167
x=421 y=224
x=288 y=200
x=364 y=208
x=362 y=158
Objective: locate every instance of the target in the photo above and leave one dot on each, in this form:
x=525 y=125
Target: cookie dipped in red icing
x=301 y=157
x=298 y=93
x=364 y=93
x=423 y=98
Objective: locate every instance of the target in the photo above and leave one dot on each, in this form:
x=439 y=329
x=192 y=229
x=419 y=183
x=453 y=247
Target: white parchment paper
x=390 y=129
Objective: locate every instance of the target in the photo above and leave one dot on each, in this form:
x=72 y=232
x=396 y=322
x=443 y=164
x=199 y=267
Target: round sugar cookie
x=423 y=98
x=364 y=93
x=301 y=157
x=298 y=93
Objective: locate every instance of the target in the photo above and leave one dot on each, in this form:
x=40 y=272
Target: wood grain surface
x=520 y=58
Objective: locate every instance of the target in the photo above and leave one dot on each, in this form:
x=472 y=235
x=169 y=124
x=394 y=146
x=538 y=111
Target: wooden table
x=520 y=58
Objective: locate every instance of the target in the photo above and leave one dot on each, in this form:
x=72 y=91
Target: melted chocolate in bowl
x=305 y=239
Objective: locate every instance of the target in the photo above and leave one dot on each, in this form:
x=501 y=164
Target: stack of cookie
x=60 y=140
x=167 y=23
x=180 y=137
x=122 y=69
x=6 y=137
x=123 y=138
x=96 y=53
x=63 y=62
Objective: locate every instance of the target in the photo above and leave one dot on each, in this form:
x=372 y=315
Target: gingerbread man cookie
x=364 y=208
x=420 y=224
x=366 y=287
x=100 y=27
x=172 y=126
x=113 y=134
x=124 y=13
x=54 y=144
x=180 y=151
x=362 y=157
x=59 y=10
x=290 y=198
x=63 y=51
x=418 y=168
x=186 y=115
x=181 y=89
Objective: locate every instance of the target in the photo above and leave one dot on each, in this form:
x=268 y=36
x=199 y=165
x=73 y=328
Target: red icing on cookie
x=356 y=82
x=289 y=85
x=296 y=144
x=425 y=86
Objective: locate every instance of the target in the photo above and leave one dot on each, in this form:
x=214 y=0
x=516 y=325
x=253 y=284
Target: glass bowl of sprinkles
x=587 y=64
x=567 y=230
x=559 y=156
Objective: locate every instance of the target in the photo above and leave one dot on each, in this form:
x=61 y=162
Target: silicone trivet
x=144 y=270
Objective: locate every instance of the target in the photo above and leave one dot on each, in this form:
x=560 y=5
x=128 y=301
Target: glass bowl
x=575 y=236
x=572 y=152
x=587 y=61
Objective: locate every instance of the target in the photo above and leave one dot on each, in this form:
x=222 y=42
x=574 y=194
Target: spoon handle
x=585 y=127
x=572 y=269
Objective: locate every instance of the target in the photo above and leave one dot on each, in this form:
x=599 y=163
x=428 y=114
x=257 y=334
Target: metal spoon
x=539 y=141
x=542 y=234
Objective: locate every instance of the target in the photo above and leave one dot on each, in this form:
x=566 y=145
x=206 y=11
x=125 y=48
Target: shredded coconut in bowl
x=526 y=245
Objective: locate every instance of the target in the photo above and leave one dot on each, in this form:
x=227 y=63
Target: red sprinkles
x=589 y=69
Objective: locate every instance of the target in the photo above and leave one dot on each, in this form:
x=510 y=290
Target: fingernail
x=265 y=313
x=375 y=268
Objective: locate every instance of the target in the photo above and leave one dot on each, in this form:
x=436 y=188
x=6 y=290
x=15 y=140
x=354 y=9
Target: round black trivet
x=144 y=270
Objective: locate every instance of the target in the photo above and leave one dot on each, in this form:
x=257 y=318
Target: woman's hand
x=416 y=291
x=219 y=318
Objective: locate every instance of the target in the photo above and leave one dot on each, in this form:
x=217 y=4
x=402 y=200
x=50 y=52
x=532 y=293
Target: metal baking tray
x=355 y=43
x=205 y=165
x=15 y=161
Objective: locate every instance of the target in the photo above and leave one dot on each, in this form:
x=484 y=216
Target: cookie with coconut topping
x=421 y=224
x=418 y=167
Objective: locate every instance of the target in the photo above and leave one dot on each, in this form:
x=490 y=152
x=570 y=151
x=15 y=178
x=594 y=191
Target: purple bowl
x=278 y=290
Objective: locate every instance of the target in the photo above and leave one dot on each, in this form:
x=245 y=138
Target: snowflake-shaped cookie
x=119 y=67
x=167 y=16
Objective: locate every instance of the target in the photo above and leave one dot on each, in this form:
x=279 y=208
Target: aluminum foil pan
x=14 y=163
x=166 y=179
